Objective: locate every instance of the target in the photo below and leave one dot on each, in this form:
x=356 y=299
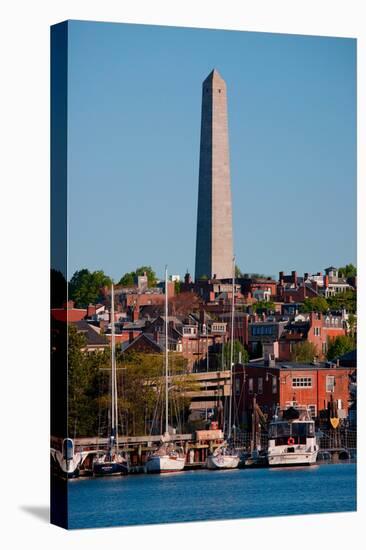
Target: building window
x=237 y=386
x=250 y=385
x=316 y=331
x=324 y=348
x=274 y=384
x=302 y=382
x=260 y=385
x=330 y=383
x=312 y=409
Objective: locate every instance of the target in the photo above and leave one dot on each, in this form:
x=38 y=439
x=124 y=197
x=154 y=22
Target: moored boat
x=292 y=440
x=112 y=462
x=168 y=458
x=67 y=462
x=223 y=458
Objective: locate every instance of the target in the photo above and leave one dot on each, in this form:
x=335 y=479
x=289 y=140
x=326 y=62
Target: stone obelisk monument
x=214 y=246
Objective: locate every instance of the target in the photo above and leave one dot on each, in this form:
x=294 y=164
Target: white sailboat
x=169 y=457
x=112 y=462
x=225 y=457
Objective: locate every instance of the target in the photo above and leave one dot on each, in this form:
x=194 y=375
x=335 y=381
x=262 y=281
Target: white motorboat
x=292 y=440
x=223 y=458
x=67 y=461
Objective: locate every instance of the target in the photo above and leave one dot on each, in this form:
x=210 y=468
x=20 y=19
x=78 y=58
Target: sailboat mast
x=166 y=353
x=113 y=392
x=232 y=344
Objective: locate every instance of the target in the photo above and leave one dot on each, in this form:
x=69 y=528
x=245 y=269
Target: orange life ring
x=290 y=441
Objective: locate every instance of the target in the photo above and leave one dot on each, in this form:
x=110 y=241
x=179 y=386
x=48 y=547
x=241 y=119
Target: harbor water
x=211 y=495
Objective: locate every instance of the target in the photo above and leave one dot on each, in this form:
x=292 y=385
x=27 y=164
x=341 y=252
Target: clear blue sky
x=134 y=130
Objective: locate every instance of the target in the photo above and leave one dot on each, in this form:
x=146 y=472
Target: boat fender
x=290 y=441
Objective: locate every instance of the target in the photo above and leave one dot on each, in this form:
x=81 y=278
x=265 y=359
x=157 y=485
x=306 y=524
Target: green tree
x=85 y=286
x=84 y=380
x=238 y=349
x=344 y=300
x=304 y=352
x=130 y=279
x=318 y=304
x=339 y=346
x=352 y=324
x=177 y=287
x=151 y=275
x=347 y=271
x=264 y=305
x=142 y=383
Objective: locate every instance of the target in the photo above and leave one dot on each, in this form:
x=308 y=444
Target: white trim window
x=250 y=385
x=302 y=382
x=312 y=409
x=329 y=383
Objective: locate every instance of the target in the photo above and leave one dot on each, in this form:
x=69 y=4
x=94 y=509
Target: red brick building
x=68 y=313
x=318 y=330
x=311 y=385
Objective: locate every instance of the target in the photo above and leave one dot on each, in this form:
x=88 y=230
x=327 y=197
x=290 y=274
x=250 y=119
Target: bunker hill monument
x=214 y=245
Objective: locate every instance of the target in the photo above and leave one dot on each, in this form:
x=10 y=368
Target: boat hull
x=281 y=457
x=221 y=462
x=164 y=464
x=110 y=469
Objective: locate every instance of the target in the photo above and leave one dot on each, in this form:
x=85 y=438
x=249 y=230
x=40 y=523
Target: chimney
x=202 y=315
x=91 y=310
x=280 y=277
x=135 y=313
x=294 y=277
x=326 y=281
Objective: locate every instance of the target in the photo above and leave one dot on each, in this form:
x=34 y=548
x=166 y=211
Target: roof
x=92 y=337
x=290 y=366
x=350 y=356
x=159 y=347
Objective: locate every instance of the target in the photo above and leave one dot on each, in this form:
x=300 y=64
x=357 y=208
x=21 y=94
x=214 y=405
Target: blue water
x=211 y=495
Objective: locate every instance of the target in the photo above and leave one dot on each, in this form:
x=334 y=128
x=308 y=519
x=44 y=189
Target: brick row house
x=280 y=383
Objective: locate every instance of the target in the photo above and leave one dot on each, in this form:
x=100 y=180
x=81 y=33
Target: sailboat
x=112 y=462
x=169 y=457
x=225 y=456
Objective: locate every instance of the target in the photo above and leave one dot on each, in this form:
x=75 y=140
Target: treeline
x=305 y=352
x=85 y=286
x=141 y=384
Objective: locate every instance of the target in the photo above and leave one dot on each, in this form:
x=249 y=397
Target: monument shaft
x=214 y=245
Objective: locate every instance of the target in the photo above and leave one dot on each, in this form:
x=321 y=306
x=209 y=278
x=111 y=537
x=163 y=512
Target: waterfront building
x=278 y=383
